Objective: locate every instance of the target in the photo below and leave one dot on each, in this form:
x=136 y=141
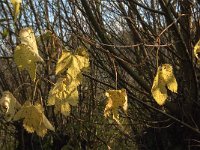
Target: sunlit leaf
x=164 y=79
x=115 y=99
x=63 y=94
x=64 y=62
x=27 y=37
x=64 y=90
x=26 y=54
x=63 y=108
x=23 y=111
x=9 y=104
x=72 y=97
x=16 y=8
x=34 y=119
x=197 y=49
x=81 y=51
x=71 y=63
x=169 y=78
x=25 y=58
x=159 y=90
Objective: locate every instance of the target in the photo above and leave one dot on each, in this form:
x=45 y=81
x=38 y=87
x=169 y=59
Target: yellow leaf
x=72 y=97
x=74 y=64
x=158 y=90
x=22 y=112
x=41 y=130
x=28 y=125
x=64 y=90
x=27 y=38
x=164 y=79
x=81 y=51
x=25 y=58
x=47 y=124
x=63 y=108
x=75 y=67
x=64 y=62
x=10 y=104
x=169 y=78
x=115 y=99
x=34 y=119
x=63 y=94
x=116 y=115
x=16 y=6
x=197 y=49
x=26 y=54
